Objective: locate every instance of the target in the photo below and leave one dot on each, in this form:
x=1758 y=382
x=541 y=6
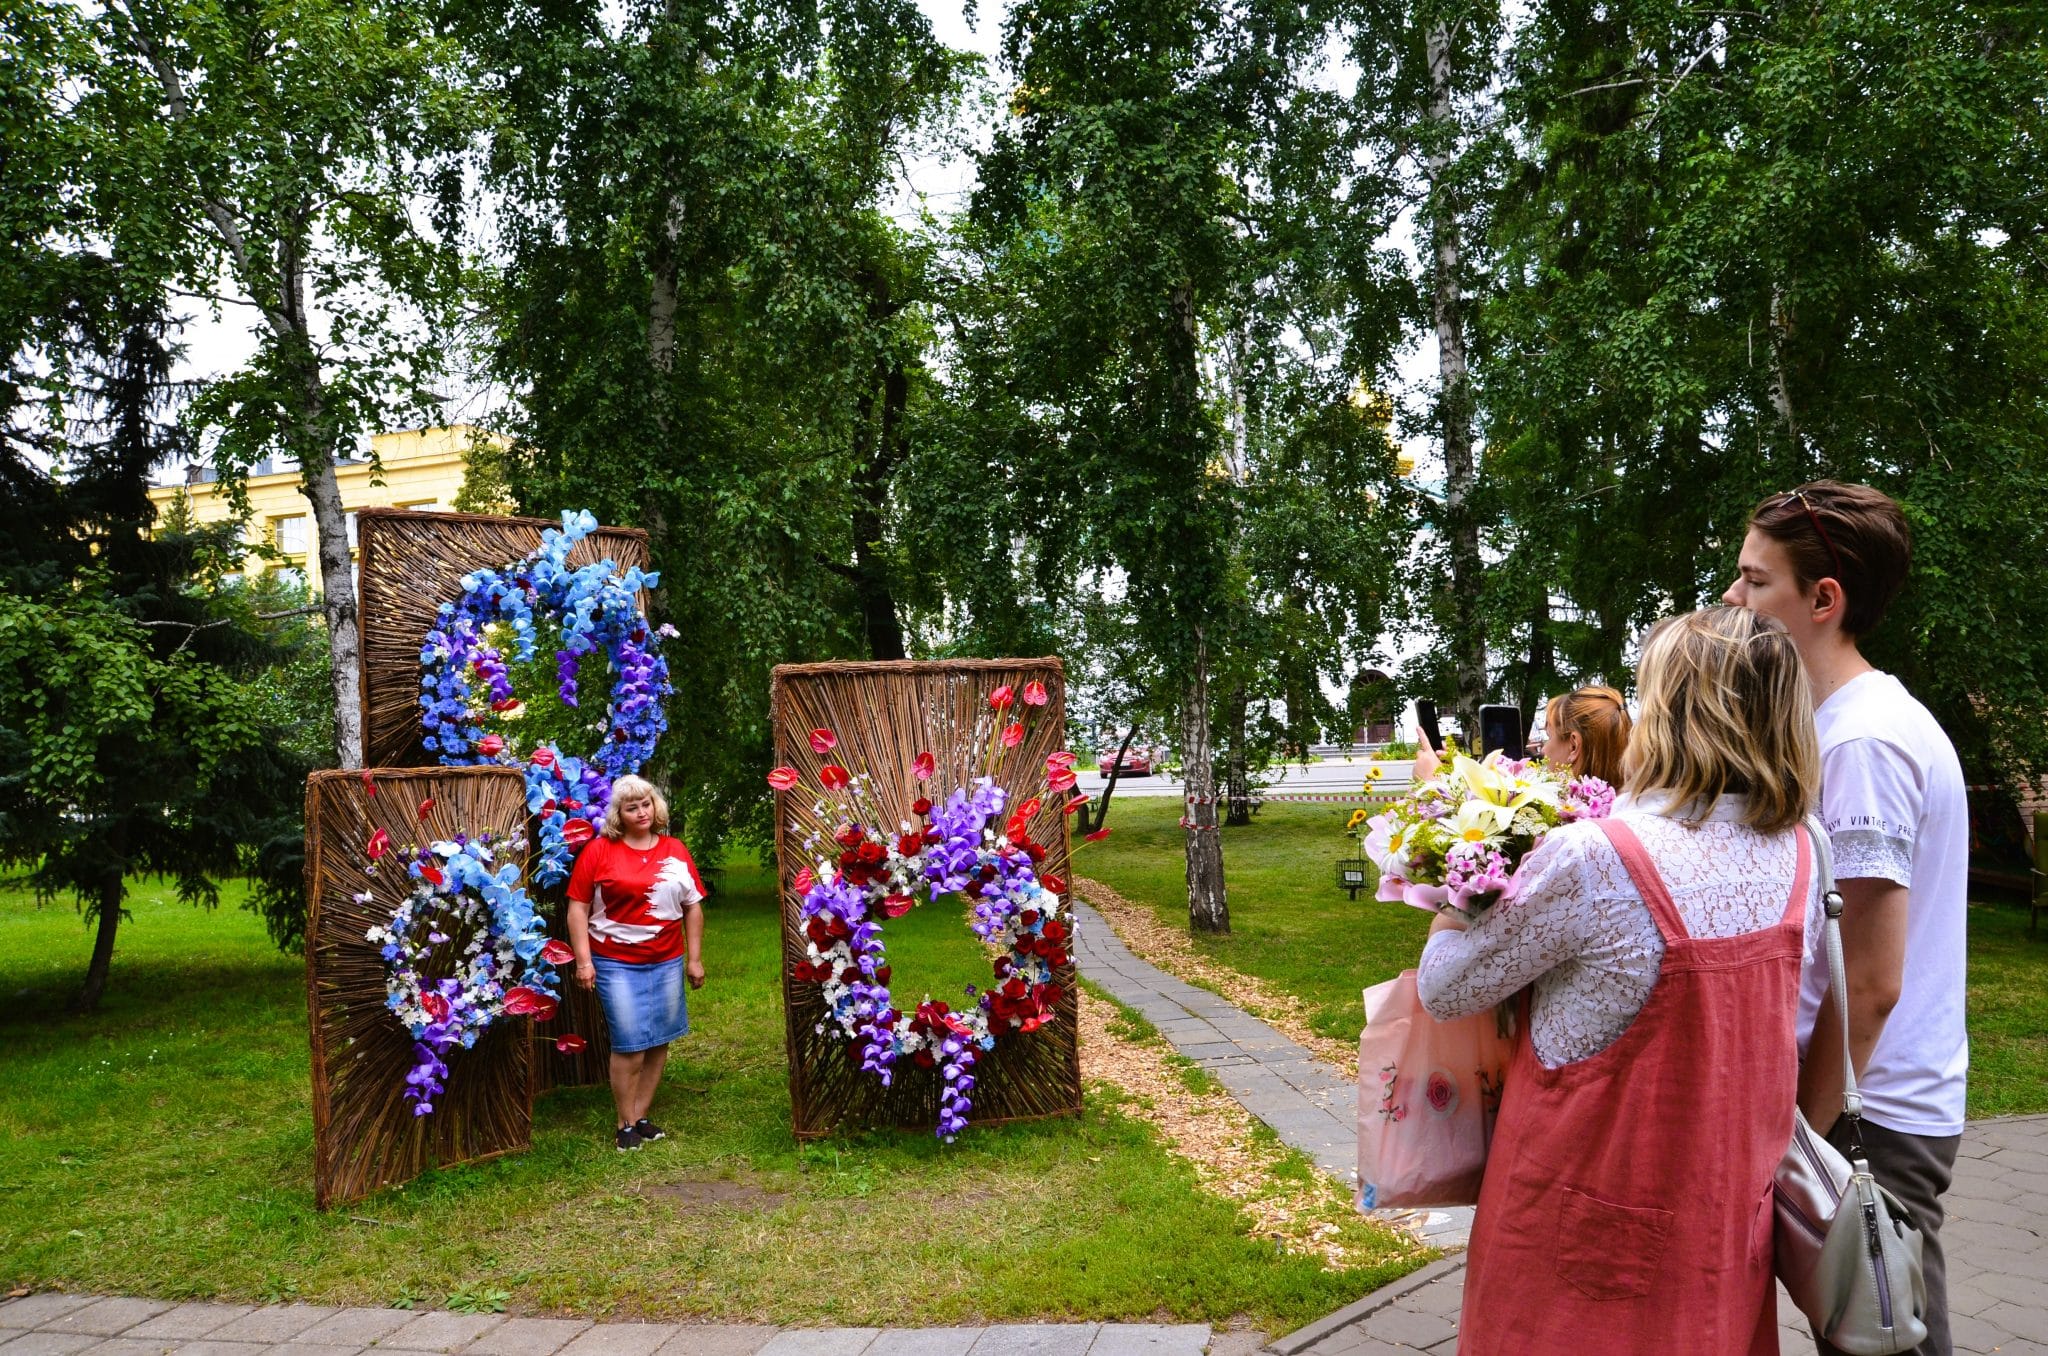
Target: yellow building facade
x=414 y=469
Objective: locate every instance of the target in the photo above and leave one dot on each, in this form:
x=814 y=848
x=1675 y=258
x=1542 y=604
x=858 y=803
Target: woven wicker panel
x=411 y=564
x=884 y=715
x=365 y=1135
x=580 y=1013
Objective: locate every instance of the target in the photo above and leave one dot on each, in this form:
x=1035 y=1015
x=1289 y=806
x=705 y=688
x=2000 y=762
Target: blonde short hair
x=1726 y=710
x=631 y=788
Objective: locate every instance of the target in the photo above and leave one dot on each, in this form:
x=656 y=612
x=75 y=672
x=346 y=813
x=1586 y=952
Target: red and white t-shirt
x=637 y=899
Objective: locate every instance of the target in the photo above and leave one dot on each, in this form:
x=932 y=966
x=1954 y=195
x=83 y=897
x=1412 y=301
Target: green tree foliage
x=137 y=744
x=714 y=328
x=1747 y=248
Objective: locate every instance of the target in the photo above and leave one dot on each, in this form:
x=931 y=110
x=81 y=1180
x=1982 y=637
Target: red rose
x=910 y=844
x=490 y=746
x=577 y=832
x=1034 y=693
x=570 y=1043
x=436 y=1006
x=1013 y=734
x=1052 y=993
x=556 y=953
x=833 y=777
x=1055 y=930
x=921 y=806
x=823 y=741
x=882 y=973
x=1001 y=698
x=782 y=778
x=922 y=767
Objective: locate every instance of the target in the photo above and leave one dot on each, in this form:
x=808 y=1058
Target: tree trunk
x=1239 y=782
x=871 y=501
x=109 y=918
x=1090 y=823
x=1208 y=902
x=1461 y=528
x=1542 y=659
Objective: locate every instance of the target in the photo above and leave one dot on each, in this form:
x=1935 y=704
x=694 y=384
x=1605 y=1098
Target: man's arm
x=1874 y=955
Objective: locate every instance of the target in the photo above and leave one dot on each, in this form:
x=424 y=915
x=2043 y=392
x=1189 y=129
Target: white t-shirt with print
x=1892 y=800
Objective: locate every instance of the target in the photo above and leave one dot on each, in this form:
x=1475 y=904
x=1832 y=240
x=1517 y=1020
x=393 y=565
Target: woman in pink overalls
x=1627 y=1200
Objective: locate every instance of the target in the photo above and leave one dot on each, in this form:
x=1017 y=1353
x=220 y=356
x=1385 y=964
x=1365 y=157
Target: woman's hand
x=1427 y=760
x=586 y=975
x=693 y=970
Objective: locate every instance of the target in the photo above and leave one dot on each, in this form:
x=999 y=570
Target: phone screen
x=1425 y=716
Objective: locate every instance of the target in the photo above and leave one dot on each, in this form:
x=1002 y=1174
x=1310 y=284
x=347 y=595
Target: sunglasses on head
x=1819 y=531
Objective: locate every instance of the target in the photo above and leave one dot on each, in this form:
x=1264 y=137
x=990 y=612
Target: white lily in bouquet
x=1455 y=840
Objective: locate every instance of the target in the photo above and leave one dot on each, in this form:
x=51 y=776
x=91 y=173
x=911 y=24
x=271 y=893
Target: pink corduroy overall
x=1627 y=1201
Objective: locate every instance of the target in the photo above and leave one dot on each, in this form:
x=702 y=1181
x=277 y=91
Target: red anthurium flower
x=577 y=832
x=490 y=746
x=1096 y=836
x=369 y=787
x=431 y=874
x=1062 y=759
x=1073 y=805
x=782 y=778
x=436 y=1006
x=1013 y=734
x=823 y=741
x=1029 y=807
x=543 y=757
x=833 y=777
x=520 y=1000
x=1053 y=883
x=1034 y=693
x=556 y=952
x=1062 y=780
x=806 y=878
x=572 y=806
x=504 y=703
x=571 y=1043
x=545 y=1009
x=895 y=906
x=426 y=806
x=380 y=843
x=922 y=767
x=1001 y=698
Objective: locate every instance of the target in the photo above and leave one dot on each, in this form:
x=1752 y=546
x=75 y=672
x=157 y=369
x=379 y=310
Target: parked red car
x=1136 y=762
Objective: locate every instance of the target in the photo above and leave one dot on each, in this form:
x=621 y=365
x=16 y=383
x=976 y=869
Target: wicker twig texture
x=580 y=1014
x=884 y=715
x=365 y=1135
x=411 y=564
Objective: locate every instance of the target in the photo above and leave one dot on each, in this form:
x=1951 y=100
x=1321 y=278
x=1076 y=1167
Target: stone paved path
x=1309 y=1106
x=1996 y=1237
x=53 y=1324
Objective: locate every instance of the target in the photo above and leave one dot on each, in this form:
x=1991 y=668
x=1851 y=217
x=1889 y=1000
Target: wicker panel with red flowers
x=914 y=732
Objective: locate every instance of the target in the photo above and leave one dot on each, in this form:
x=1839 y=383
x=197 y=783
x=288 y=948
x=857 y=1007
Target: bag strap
x=1838 y=978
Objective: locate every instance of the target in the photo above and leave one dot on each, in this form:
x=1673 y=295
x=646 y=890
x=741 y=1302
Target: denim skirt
x=643 y=1004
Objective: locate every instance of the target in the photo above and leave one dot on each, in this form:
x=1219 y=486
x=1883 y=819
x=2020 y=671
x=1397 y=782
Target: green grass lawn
x=163 y=1147
x=1292 y=926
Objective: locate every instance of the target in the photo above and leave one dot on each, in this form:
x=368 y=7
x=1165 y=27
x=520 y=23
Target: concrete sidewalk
x=53 y=1324
x=1996 y=1239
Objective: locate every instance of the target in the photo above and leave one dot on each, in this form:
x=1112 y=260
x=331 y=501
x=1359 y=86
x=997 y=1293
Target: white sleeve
x=1870 y=800
x=1550 y=920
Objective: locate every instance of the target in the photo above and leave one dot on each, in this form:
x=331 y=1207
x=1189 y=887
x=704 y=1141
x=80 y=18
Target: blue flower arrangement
x=596 y=608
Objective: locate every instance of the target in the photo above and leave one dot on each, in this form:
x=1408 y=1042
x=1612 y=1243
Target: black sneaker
x=626 y=1138
x=648 y=1130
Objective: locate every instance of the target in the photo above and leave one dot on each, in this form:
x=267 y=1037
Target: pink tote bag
x=1428 y=1093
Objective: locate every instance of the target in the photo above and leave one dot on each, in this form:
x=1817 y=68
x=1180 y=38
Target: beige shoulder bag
x=1846 y=1248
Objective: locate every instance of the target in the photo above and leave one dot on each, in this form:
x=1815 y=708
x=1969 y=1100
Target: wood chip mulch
x=1302 y=1213
x=1170 y=949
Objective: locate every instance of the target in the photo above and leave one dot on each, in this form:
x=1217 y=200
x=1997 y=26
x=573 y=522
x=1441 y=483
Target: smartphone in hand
x=1425 y=716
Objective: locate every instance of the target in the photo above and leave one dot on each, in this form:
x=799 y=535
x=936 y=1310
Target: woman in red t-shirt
x=638 y=933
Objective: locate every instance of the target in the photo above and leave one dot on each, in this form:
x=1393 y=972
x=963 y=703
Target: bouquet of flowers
x=1455 y=840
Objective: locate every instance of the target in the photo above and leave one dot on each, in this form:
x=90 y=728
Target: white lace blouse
x=1579 y=931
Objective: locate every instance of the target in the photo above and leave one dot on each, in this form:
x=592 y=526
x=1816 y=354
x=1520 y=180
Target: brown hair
x=1600 y=719
x=1726 y=710
x=1851 y=534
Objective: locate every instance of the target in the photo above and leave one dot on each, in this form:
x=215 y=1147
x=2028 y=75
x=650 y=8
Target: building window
x=290 y=534
x=425 y=506
x=350 y=519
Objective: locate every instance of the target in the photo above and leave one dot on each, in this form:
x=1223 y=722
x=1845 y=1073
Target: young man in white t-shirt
x=1827 y=559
